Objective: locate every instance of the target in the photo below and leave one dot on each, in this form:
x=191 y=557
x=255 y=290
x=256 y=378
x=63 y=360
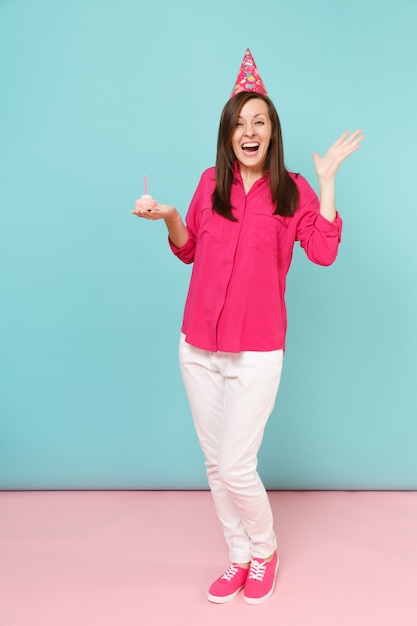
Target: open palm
x=327 y=165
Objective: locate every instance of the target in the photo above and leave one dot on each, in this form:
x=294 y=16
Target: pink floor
x=146 y=559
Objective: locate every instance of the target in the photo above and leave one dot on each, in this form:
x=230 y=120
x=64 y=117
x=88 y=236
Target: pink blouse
x=235 y=300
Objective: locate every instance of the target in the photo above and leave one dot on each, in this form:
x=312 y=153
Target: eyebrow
x=239 y=117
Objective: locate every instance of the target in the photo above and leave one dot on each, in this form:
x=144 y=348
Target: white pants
x=231 y=397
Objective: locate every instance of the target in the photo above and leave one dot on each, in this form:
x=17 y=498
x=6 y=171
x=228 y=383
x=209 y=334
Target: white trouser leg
x=231 y=397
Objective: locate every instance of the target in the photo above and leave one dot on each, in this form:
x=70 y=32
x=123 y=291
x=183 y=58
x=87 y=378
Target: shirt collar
x=237 y=175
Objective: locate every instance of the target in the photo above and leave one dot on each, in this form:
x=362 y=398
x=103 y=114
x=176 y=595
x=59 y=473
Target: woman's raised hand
x=327 y=165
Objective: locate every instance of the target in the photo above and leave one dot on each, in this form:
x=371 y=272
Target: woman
x=240 y=230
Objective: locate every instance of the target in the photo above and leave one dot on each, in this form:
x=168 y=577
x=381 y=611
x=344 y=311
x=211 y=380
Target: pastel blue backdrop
x=96 y=93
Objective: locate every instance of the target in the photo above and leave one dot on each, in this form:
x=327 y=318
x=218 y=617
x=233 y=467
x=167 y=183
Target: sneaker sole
x=267 y=596
x=223 y=599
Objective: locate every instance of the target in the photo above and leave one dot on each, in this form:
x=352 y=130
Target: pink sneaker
x=228 y=585
x=260 y=582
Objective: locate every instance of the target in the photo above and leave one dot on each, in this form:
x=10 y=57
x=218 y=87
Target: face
x=252 y=135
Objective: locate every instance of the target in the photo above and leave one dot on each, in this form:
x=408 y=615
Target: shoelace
x=229 y=573
x=257 y=570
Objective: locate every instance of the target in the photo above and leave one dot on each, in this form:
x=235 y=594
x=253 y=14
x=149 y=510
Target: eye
x=239 y=123
x=260 y=122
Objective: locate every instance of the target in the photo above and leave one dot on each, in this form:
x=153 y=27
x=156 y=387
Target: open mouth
x=250 y=148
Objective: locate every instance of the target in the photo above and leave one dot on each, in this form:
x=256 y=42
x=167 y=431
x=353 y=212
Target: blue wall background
x=95 y=93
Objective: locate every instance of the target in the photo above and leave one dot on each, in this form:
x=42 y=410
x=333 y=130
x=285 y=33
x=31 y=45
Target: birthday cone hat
x=248 y=78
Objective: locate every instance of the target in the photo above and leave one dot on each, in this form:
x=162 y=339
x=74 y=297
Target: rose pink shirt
x=235 y=300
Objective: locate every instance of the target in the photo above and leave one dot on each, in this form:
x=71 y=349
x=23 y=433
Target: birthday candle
x=146 y=201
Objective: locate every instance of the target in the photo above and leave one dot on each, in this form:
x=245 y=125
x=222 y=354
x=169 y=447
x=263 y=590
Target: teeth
x=250 y=145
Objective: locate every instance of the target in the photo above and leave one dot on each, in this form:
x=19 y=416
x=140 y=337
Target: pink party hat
x=248 y=78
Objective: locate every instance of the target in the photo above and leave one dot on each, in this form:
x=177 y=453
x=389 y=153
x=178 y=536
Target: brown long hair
x=284 y=191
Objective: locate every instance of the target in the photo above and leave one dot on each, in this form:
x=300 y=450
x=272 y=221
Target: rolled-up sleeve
x=187 y=251
x=201 y=195
x=318 y=236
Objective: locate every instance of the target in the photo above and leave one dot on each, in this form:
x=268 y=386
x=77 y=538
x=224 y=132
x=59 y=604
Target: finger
x=345 y=139
x=137 y=211
x=140 y=213
x=354 y=137
x=341 y=139
x=357 y=137
x=354 y=142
